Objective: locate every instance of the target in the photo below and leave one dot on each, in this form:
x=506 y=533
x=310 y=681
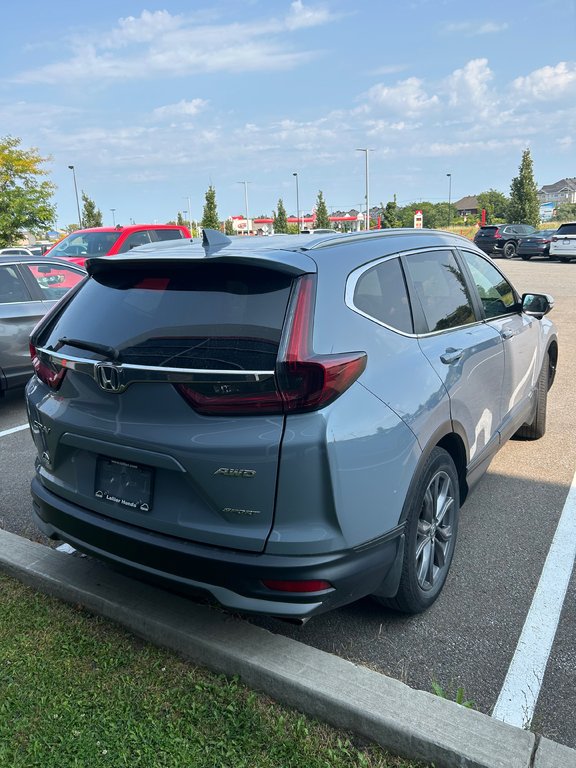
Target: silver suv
x=284 y=424
x=563 y=244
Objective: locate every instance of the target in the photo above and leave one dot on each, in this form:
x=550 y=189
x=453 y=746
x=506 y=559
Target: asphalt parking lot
x=471 y=635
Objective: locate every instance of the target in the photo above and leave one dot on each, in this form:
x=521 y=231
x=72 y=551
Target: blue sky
x=152 y=103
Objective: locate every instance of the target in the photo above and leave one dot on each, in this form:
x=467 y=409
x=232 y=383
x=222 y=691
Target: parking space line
x=517 y=700
x=14 y=429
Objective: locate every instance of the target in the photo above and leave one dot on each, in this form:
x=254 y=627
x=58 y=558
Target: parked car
x=109 y=241
x=563 y=245
x=283 y=424
x=29 y=287
x=501 y=239
x=24 y=250
x=318 y=232
x=535 y=244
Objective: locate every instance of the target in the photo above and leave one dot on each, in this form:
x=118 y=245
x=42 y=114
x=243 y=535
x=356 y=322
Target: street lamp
x=367 y=224
x=246 y=204
x=297 y=203
x=76 y=190
x=113 y=216
x=449 y=197
x=189 y=214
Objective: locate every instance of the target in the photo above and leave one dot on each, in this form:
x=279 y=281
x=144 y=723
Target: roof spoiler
x=212 y=239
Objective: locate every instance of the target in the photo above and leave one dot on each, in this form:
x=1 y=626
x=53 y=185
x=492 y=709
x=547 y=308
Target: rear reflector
x=314 y=585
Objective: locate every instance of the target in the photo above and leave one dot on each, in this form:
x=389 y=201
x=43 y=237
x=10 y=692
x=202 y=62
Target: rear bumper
x=231 y=577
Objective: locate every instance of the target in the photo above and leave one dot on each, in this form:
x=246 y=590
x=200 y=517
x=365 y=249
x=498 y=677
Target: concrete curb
x=410 y=723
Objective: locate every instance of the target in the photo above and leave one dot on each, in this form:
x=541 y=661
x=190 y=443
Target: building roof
x=568 y=183
x=469 y=203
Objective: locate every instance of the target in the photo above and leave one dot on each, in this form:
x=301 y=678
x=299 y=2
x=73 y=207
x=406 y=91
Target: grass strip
x=77 y=691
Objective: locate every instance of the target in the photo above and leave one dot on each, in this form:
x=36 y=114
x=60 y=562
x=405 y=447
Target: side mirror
x=537 y=304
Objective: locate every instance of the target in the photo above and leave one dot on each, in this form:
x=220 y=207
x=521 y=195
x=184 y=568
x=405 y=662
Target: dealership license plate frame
x=124 y=484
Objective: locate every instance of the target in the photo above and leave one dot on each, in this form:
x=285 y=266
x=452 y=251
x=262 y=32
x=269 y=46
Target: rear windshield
x=567 y=229
x=487 y=230
x=86 y=244
x=215 y=317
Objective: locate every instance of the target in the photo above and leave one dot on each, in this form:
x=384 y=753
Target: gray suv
x=283 y=424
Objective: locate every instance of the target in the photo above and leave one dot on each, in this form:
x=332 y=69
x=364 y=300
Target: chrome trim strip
x=153 y=373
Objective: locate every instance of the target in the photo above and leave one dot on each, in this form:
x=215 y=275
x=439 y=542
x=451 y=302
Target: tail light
x=45 y=371
x=303 y=381
x=497 y=235
x=554 y=239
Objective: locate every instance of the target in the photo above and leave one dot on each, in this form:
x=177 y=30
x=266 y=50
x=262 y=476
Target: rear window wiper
x=90 y=346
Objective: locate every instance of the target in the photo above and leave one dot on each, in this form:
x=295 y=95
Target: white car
x=563 y=244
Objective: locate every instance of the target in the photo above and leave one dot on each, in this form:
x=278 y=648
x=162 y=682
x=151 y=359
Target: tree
x=389 y=217
x=180 y=220
x=495 y=204
x=280 y=219
x=210 y=213
x=322 y=218
x=25 y=198
x=524 y=206
x=565 y=212
x=228 y=227
x=91 y=216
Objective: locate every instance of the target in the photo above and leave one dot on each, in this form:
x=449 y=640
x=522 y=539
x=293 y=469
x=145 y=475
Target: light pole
x=76 y=191
x=367 y=224
x=449 y=197
x=297 y=203
x=189 y=214
x=246 y=204
x=113 y=216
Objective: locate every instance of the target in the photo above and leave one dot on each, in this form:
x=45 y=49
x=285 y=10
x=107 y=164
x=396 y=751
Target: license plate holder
x=124 y=484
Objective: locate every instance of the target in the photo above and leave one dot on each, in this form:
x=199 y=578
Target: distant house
x=467 y=206
x=563 y=191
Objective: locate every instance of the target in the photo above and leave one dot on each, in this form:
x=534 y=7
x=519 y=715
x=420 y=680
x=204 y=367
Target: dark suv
x=286 y=424
x=501 y=239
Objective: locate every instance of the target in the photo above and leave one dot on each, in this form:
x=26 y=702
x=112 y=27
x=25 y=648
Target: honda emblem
x=108 y=377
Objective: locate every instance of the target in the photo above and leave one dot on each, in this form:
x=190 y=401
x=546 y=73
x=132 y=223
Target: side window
x=54 y=280
x=441 y=289
x=381 y=294
x=134 y=240
x=496 y=294
x=167 y=234
x=12 y=289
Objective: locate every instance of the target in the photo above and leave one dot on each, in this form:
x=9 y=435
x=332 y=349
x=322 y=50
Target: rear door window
x=166 y=234
x=214 y=317
x=441 y=289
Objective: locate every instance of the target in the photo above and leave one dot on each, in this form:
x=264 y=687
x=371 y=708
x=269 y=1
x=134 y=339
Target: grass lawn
x=79 y=692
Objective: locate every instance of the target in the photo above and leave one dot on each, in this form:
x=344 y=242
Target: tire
x=509 y=250
x=431 y=528
x=526 y=256
x=537 y=427
x=563 y=259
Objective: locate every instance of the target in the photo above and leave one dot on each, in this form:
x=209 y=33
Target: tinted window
x=167 y=234
x=134 y=240
x=193 y=316
x=441 y=289
x=381 y=293
x=495 y=292
x=567 y=229
x=12 y=289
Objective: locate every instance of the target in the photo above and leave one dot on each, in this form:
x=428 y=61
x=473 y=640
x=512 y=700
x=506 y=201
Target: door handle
x=451 y=355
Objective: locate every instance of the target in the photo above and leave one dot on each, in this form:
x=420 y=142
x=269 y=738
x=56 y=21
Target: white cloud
x=452 y=149
x=468 y=89
x=302 y=16
x=565 y=143
x=474 y=28
x=160 y=44
x=407 y=97
x=182 y=108
x=548 y=83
